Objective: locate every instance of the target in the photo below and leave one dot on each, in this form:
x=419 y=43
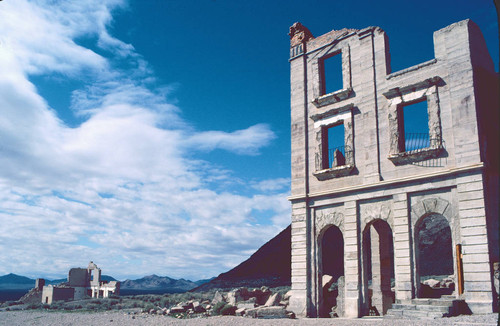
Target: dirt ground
x=119 y=318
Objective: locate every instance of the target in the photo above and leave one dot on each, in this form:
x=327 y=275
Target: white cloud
x=272 y=184
x=119 y=188
x=247 y=141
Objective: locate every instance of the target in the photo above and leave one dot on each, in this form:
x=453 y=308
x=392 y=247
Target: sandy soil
x=119 y=318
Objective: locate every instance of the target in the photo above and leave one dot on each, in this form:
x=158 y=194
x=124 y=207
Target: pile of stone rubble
x=256 y=303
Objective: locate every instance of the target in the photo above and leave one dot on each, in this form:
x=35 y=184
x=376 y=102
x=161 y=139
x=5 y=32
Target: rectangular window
x=333 y=146
x=413 y=120
x=331 y=74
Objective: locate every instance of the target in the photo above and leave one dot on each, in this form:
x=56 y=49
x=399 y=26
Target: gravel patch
x=121 y=318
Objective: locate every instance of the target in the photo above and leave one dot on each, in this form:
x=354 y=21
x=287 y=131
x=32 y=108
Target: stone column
x=298 y=300
x=351 y=260
x=403 y=266
x=474 y=240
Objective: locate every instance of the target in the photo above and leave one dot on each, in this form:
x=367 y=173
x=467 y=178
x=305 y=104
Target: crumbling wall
x=382 y=179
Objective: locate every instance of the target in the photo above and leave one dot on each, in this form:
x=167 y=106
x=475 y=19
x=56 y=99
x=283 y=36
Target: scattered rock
x=237 y=295
x=246 y=304
x=197 y=307
x=274 y=300
x=431 y=283
x=177 y=309
x=240 y=311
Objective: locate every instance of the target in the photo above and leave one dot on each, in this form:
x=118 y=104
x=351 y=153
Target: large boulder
x=267 y=312
x=247 y=304
x=261 y=295
x=237 y=295
x=274 y=300
x=217 y=298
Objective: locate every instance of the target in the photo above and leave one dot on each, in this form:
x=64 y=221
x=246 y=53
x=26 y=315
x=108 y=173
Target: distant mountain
x=269 y=266
x=155 y=282
x=13 y=281
x=201 y=282
x=17 y=282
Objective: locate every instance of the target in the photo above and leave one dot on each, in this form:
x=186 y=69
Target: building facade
x=394 y=175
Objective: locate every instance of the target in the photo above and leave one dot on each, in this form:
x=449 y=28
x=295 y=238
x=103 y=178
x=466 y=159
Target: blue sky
x=153 y=136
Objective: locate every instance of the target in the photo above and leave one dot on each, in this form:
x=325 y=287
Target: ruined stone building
x=394 y=175
x=82 y=283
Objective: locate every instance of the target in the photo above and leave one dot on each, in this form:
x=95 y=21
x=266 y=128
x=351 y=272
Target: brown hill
x=269 y=266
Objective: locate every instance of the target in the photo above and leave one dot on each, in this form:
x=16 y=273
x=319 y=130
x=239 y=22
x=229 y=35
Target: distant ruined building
x=82 y=283
x=394 y=176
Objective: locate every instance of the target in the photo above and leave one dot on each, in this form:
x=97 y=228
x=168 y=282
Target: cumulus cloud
x=118 y=188
x=272 y=184
x=247 y=141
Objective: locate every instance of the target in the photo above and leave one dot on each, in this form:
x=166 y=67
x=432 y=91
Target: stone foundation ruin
x=82 y=283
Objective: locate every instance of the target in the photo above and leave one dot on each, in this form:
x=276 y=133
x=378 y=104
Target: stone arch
x=376 y=211
x=331 y=271
x=431 y=205
x=378 y=267
x=434 y=232
x=326 y=219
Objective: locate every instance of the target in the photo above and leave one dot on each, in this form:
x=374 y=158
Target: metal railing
x=339 y=158
x=416 y=141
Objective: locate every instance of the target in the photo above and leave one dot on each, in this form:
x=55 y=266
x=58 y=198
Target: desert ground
x=125 y=318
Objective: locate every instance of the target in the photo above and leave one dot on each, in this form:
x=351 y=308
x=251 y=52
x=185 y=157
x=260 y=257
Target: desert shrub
x=148 y=306
x=13 y=303
x=222 y=308
x=228 y=310
x=55 y=305
x=34 y=306
x=217 y=308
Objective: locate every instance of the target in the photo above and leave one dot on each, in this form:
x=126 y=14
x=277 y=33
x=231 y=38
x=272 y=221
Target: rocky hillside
x=269 y=266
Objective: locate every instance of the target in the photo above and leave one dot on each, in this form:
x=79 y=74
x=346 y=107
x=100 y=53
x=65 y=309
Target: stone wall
x=452 y=176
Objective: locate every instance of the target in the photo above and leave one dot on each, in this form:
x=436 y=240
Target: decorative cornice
x=331 y=112
x=415 y=156
x=399 y=91
x=338 y=171
x=332 y=97
x=447 y=172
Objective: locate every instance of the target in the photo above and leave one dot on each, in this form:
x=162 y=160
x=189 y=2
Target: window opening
x=414 y=127
x=331 y=74
x=334 y=146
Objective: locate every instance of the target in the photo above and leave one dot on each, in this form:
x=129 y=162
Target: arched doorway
x=331 y=301
x=434 y=257
x=378 y=268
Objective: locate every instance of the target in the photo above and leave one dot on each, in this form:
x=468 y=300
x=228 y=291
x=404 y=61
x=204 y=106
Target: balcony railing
x=416 y=141
x=338 y=156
